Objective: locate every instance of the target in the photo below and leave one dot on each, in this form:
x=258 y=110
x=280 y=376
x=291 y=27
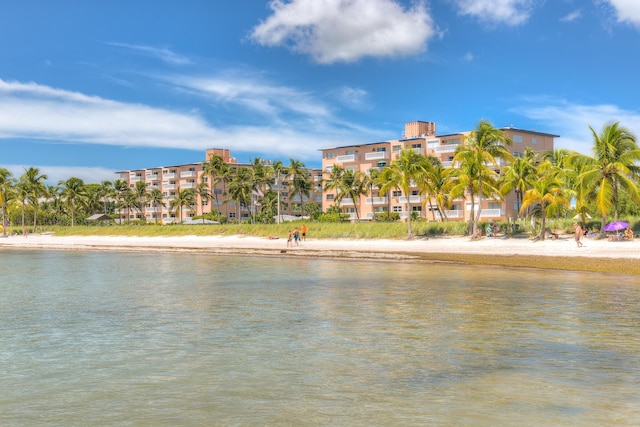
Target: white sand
x=351 y=248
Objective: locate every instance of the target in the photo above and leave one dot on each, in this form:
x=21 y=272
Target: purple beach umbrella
x=616 y=225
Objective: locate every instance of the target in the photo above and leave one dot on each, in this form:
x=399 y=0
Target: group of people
x=296 y=235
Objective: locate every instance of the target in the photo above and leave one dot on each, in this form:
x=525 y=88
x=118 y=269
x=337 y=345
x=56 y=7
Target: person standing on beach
x=289 y=240
x=303 y=230
x=296 y=236
x=578 y=235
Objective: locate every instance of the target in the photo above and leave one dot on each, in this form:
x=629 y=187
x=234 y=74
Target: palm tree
x=334 y=183
x=547 y=193
x=106 y=192
x=241 y=187
x=6 y=189
x=73 y=190
x=478 y=157
x=402 y=174
x=184 y=199
x=300 y=180
x=279 y=171
x=215 y=169
x=156 y=199
x=352 y=185
x=612 y=168
x=519 y=177
x=141 y=192
x=35 y=187
x=121 y=188
x=202 y=191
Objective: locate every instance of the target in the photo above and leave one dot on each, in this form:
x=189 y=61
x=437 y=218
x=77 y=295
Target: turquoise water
x=130 y=339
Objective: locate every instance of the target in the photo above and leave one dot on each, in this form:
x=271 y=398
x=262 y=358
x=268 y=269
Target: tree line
x=606 y=183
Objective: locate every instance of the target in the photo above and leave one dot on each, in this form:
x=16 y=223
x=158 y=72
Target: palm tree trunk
x=409 y=230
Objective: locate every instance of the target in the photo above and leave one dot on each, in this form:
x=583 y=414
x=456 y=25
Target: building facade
x=170 y=180
x=421 y=137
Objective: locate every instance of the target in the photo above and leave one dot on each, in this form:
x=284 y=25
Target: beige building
x=422 y=138
x=171 y=179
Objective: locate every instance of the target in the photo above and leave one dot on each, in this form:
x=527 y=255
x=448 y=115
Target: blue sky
x=90 y=88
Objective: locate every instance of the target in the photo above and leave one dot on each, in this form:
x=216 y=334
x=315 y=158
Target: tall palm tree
x=73 y=190
x=613 y=167
x=35 y=187
x=547 y=193
x=241 y=187
x=402 y=174
x=352 y=185
x=156 y=199
x=300 y=180
x=121 y=189
x=6 y=189
x=215 y=169
x=518 y=177
x=478 y=156
x=334 y=183
x=184 y=199
x=106 y=192
x=141 y=192
x=202 y=191
x=279 y=171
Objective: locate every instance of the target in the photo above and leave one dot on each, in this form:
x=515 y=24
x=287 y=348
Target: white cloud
x=346 y=30
x=354 y=98
x=572 y=16
x=627 y=11
x=90 y=175
x=509 y=12
x=161 y=53
x=284 y=120
x=571 y=121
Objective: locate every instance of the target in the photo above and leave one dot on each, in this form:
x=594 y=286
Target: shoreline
x=562 y=254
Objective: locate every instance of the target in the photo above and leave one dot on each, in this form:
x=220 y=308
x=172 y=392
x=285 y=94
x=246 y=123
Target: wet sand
x=561 y=254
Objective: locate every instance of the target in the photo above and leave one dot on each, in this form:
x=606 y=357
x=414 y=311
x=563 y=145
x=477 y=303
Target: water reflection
x=164 y=339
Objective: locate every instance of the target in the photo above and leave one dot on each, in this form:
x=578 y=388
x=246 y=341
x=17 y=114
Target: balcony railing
x=187 y=185
x=152 y=177
x=412 y=199
x=491 y=213
x=168 y=186
x=346 y=202
x=446 y=149
x=377 y=155
x=346 y=158
x=187 y=174
x=169 y=175
x=377 y=200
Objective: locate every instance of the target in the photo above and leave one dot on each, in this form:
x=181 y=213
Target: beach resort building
x=421 y=137
x=170 y=180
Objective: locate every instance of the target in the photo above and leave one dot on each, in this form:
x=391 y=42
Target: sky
x=90 y=88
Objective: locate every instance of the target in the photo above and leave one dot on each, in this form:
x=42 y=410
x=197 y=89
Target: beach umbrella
x=616 y=225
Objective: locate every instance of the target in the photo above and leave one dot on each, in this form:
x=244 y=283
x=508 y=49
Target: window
x=330 y=155
x=534 y=141
x=416 y=145
x=396 y=148
x=330 y=197
x=381 y=149
x=397 y=208
x=416 y=208
x=517 y=138
x=397 y=193
x=232 y=214
x=414 y=192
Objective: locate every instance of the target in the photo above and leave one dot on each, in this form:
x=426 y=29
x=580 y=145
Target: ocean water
x=133 y=339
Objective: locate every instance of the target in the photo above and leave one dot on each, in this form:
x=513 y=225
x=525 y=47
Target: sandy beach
x=596 y=255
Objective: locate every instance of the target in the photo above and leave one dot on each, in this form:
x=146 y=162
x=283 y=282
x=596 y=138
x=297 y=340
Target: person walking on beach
x=578 y=232
x=289 y=239
x=303 y=230
x=296 y=236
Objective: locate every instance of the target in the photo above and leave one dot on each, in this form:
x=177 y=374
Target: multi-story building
x=422 y=138
x=172 y=179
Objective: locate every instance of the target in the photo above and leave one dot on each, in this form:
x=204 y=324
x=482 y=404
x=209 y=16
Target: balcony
x=376 y=200
x=346 y=158
x=187 y=185
x=412 y=199
x=346 y=202
x=187 y=174
x=152 y=177
x=491 y=213
x=169 y=175
x=446 y=148
x=377 y=155
x=135 y=178
x=168 y=186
